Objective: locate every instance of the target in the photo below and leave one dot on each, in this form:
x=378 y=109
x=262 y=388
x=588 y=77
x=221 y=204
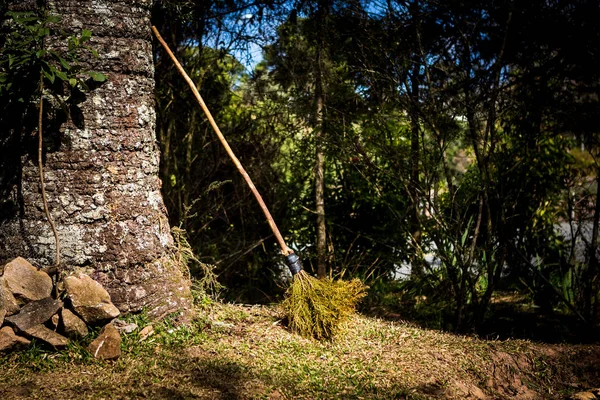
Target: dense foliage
x=459 y=144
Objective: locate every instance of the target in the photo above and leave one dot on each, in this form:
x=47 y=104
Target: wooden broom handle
x=284 y=249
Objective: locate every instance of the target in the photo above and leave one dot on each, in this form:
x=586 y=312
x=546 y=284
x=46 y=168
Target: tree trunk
x=102 y=172
x=321 y=244
x=590 y=277
x=320 y=196
x=416 y=263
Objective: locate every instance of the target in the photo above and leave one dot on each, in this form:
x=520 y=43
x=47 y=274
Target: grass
x=244 y=352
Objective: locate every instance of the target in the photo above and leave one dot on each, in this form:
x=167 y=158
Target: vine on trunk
x=24 y=55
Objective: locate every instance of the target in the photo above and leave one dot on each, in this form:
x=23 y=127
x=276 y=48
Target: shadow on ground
x=508 y=317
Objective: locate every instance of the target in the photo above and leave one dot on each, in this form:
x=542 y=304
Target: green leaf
x=97 y=76
x=49 y=75
x=465 y=234
x=463 y=239
x=13 y=14
x=61 y=75
x=22 y=20
x=73 y=82
x=64 y=63
x=43 y=32
x=85 y=35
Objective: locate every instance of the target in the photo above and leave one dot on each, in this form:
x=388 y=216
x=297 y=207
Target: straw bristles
x=319 y=307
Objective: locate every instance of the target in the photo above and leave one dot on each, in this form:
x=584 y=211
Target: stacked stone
x=28 y=310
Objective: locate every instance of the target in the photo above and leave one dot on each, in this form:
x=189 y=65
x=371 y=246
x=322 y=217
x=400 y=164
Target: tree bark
x=590 y=276
x=321 y=244
x=417 y=267
x=102 y=172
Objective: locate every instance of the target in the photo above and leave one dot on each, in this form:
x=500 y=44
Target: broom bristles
x=319 y=307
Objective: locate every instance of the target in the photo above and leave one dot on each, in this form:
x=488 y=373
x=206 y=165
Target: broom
x=314 y=308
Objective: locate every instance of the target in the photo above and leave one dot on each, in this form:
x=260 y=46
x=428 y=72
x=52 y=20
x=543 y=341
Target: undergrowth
x=204 y=279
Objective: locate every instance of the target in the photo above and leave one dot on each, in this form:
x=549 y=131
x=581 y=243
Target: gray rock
x=42 y=333
x=9 y=341
x=89 y=299
x=7 y=300
x=35 y=313
x=73 y=326
x=25 y=282
x=123 y=327
x=107 y=345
